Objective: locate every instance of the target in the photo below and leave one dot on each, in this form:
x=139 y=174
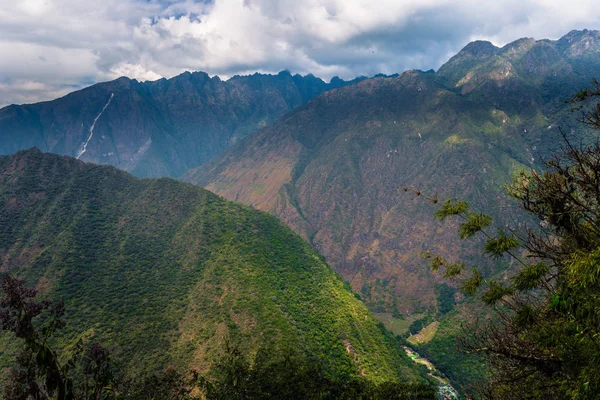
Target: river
x=445 y=389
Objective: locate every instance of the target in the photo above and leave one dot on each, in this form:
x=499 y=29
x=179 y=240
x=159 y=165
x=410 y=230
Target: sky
x=51 y=47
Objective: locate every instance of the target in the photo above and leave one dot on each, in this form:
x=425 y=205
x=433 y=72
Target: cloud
x=50 y=47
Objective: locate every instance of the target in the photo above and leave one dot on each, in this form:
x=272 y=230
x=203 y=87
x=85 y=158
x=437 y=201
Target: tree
x=18 y=309
x=544 y=341
x=277 y=372
x=166 y=385
x=88 y=373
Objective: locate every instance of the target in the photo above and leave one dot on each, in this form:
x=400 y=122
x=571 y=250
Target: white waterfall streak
x=84 y=147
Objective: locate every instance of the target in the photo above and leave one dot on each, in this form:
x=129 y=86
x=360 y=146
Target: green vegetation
x=465 y=371
x=419 y=324
x=40 y=373
x=543 y=341
x=446 y=298
x=283 y=374
x=161 y=272
x=396 y=323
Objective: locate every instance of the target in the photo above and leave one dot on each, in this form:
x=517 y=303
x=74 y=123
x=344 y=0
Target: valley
x=335 y=168
x=285 y=220
x=445 y=389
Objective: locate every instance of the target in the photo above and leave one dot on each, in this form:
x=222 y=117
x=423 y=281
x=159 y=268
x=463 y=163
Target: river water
x=445 y=389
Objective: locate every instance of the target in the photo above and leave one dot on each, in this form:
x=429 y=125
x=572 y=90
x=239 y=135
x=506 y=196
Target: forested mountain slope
x=161 y=272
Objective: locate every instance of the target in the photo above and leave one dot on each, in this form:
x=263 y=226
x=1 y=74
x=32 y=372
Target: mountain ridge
x=162 y=271
x=331 y=168
x=156 y=128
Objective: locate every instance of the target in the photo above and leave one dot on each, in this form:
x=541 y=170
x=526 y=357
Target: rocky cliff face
x=160 y=128
x=331 y=169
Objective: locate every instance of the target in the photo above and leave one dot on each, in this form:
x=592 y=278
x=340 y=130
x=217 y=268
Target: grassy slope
x=162 y=271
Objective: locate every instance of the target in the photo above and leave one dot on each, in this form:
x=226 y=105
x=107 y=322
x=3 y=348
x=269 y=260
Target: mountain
x=526 y=73
x=333 y=168
x=160 y=128
x=162 y=271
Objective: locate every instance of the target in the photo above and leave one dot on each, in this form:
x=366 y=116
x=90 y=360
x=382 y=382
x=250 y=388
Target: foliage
x=165 y=385
x=39 y=373
x=544 y=340
x=282 y=373
x=18 y=309
x=419 y=324
x=446 y=298
x=464 y=370
x=274 y=374
x=161 y=271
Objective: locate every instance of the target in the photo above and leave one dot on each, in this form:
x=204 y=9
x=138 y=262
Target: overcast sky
x=51 y=47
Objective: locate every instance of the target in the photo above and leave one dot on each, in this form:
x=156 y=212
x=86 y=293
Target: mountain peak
x=575 y=35
x=472 y=54
x=191 y=76
x=27 y=152
x=518 y=45
x=480 y=48
x=578 y=44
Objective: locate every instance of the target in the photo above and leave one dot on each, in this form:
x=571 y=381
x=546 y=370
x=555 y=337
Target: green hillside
x=162 y=271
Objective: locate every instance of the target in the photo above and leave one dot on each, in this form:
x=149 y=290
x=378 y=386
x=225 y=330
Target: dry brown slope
x=330 y=168
x=331 y=171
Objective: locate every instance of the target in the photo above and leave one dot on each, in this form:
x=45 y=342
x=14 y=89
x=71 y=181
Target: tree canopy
x=544 y=338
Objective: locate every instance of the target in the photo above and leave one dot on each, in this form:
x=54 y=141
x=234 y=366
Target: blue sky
x=51 y=47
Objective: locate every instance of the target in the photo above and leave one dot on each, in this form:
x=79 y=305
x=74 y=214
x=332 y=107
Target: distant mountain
x=526 y=73
x=162 y=271
x=160 y=128
x=332 y=168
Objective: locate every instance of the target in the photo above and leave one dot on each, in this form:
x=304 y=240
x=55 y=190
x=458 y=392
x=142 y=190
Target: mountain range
x=333 y=168
x=159 y=128
x=355 y=168
x=331 y=156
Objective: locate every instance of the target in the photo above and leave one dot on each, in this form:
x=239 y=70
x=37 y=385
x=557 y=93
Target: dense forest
x=88 y=371
x=162 y=274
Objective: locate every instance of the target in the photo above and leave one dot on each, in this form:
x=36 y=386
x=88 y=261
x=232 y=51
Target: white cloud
x=48 y=47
